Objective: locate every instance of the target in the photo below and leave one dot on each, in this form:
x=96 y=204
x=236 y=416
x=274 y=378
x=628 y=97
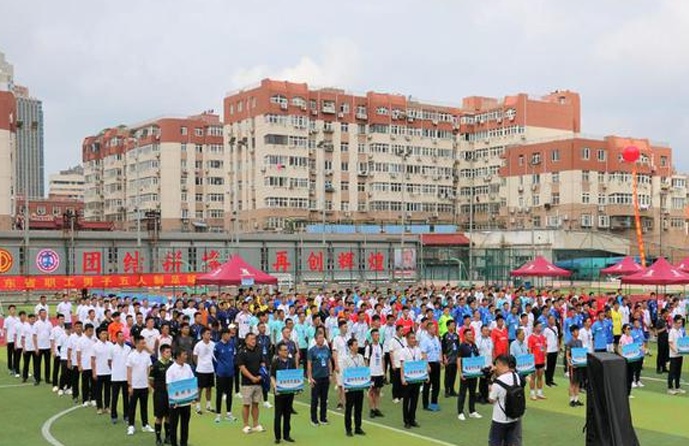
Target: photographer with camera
x=509 y=404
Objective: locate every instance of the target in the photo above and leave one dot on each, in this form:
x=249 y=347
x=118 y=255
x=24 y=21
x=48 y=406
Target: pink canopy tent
x=236 y=272
x=684 y=265
x=624 y=267
x=540 y=267
x=660 y=273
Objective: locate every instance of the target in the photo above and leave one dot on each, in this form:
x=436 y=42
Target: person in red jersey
x=499 y=336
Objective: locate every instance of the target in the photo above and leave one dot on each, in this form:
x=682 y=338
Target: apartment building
x=299 y=155
x=8 y=153
x=67 y=184
x=30 y=150
x=172 y=167
x=584 y=184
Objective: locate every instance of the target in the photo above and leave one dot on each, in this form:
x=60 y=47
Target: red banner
x=21 y=283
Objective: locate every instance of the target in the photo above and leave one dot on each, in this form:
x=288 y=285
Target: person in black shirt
x=450 y=348
x=265 y=346
x=283 y=402
x=663 y=342
x=135 y=331
x=249 y=362
x=161 y=405
x=467 y=349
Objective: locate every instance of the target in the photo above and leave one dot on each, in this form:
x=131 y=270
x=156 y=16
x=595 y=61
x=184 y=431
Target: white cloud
x=339 y=64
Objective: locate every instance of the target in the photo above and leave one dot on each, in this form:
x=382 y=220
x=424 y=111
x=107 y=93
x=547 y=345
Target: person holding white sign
x=283 y=402
x=179 y=415
x=627 y=339
x=575 y=373
x=410 y=390
x=467 y=349
x=354 y=399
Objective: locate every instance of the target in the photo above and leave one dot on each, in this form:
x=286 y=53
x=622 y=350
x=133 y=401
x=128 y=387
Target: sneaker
x=379 y=413
x=209 y=408
x=339 y=407
x=258 y=428
x=68 y=391
x=461 y=417
x=682 y=391
x=55 y=389
x=99 y=412
x=230 y=417
x=541 y=397
x=148 y=429
x=198 y=410
x=672 y=392
x=372 y=413
x=237 y=395
x=631 y=397
x=267 y=405
x=533 y=398
x=634 y=385
x=130 y=430
x=573 y=404
x=396 y=401
x=640 y=384
x=85 y=404
x=315 y=423
x=16 y=375
x=578 y=403
x=218 y=418
x=246 y=430
x=93 y=403
x=60 y=393
x=475 y=415
x=326 y=422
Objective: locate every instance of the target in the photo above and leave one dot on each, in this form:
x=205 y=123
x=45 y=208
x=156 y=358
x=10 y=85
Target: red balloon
x=631 y=154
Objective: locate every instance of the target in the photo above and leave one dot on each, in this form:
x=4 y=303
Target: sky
x=98 y=64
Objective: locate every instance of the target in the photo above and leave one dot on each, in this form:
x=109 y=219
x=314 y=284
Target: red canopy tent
x=660 y=273
x=236 y=272
x=540 y=267
x=684 y=265
x=624 y=267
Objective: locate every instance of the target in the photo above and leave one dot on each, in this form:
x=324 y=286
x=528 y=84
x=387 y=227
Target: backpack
x=515 y=399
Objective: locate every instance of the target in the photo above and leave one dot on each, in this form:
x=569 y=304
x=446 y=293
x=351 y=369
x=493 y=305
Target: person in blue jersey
x=609 y=333
x=571 y=319
x=224 y=365
x=512 y=322
x=432 y=348
x=639 y=338
x=318 y=371
x=266 y=347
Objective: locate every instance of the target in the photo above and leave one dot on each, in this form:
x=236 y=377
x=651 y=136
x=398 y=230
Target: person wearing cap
x=224 y=353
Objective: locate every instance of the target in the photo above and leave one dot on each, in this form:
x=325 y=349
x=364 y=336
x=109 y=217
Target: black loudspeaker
x=608 y=419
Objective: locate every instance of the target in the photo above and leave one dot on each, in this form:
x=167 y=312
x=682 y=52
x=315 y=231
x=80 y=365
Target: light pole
x=471 y=217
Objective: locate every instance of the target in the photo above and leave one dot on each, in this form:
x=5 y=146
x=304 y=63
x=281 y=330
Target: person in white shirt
x=138 y=367
x=375 y=359
x=72 y=362
x=503 y=430
x=56 y=333
x=552 y=349
x=42 y=330
x=62 y=342
x=397 y=344
x=65 y=308
x=28 y=344
x=339 y=351
x=163 y=338
x=411 y=390
x=586 y=336
x=101 y=363
x=41 y=305
x=10 y=325
x=84 y=353
x=676 y=358
x=179 y=415
x=150 y=335
x=205 y=373
x=118 y=378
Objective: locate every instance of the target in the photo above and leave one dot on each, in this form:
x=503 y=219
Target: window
x=198 y=131
x=586 y=198
x=536 y=221
x=601 y=177
x=344 y=185
x=555 y=198
x=536 y=200
x=603 y=221
x=555 y=155
x=328 y=165
x=521 y=160
x=183 y=130
x=663 y=161
x=199 y=197
x=344 y=147
x=585 y=153
x=536 y=158
x=183 y=147
x=344 y=167
x=361 y=187
x=586 y=221
x=601 y=155
x=556 y=177
x=585 y=176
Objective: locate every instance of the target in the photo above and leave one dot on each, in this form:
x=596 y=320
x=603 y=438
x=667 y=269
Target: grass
x=659 y=420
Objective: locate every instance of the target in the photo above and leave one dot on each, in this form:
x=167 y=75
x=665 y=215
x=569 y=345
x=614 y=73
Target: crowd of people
x=114 y=352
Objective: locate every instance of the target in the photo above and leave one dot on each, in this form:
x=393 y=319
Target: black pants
x=117 y=387
x=179 y=416
x=675 y=373
x=355 y=403
x=43 y=355
x=140 y=395
x=236 y=379
x=397 y=390
x=101 y=389
x=65 y=375
x=409 y=403
x=10 y=357
x=551 y=365
x=282 y=423
x=432 y=387
x=224 y=387
x=638 y=366
x=450 y=376
x=28 y=357
x=74 y=375
x=504 y=434
x=57 y=367
x=17 y=360
x=319 y=397
x=467 y=385
x=387 y=370
x=483 y=389
x=87 y=386
x=630 y=377
x=663 y=353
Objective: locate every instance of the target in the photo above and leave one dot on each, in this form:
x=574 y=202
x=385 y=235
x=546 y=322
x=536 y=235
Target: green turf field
x=659 y=419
